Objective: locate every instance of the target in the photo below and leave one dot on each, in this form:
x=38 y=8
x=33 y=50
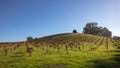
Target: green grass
x=43 y=57
x=99 y=58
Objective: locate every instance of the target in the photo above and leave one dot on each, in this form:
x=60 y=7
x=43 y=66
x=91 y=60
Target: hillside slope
x=71 y=50
x=76 y=38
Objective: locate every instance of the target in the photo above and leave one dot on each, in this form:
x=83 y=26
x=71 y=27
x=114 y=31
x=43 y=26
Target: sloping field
x=62 y=51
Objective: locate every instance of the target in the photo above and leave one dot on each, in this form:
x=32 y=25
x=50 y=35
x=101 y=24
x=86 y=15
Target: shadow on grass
x=114 y=51
x=113 y=62
x=54 y=66
x=18 y=54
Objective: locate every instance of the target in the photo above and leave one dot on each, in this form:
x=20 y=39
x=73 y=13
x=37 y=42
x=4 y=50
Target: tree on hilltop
x=29 y=39
x=75 y=31
x=93 y=28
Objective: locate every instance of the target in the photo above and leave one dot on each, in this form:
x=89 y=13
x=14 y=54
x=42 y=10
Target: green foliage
x=29 y=39
x=75 y=31
x=92 y=28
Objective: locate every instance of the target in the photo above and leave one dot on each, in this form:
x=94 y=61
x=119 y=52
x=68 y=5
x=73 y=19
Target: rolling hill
x=66 y=50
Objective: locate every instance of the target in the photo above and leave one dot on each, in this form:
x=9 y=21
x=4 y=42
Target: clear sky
x=37 y=18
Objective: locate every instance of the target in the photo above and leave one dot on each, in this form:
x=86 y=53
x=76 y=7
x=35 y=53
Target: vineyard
x=69 y=50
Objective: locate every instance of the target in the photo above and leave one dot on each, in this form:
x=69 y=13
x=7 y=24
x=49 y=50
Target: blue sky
x=37 y=18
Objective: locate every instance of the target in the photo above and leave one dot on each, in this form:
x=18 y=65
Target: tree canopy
x=93 y=28
x=29 y=39
x=75 y=31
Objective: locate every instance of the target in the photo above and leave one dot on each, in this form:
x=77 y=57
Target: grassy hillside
x=62 y=51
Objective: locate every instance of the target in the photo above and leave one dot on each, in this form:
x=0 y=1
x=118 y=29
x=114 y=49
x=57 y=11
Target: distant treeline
x=116 y=37
x=11 y=42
